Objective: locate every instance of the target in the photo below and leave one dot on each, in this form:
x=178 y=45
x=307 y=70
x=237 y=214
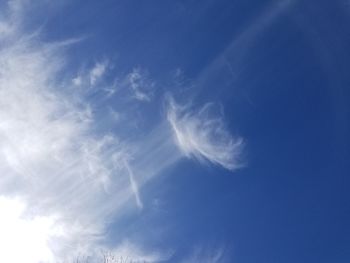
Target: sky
x=182 y=131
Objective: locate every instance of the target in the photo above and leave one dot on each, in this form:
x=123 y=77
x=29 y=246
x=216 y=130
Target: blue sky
x=175 y=131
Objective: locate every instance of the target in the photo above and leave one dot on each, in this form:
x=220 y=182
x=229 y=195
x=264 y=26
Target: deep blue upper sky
x=279 y=71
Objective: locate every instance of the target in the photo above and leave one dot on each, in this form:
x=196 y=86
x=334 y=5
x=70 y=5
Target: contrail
x=133 y=184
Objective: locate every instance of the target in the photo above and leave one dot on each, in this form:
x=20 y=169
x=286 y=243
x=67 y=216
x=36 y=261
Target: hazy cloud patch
x=140 y=84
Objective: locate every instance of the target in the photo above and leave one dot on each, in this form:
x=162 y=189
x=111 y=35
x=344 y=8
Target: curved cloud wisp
x=200 y=135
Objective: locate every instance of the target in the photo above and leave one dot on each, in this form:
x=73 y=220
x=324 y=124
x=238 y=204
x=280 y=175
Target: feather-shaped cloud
x=203 y=136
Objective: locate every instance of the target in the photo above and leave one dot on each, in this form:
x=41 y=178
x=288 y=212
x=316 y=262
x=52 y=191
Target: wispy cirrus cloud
x=58 y=168
x=10 y=19
x=53 y=161
x=204 y=136
x=140 y=84
x=62 y=171
x=49 y=158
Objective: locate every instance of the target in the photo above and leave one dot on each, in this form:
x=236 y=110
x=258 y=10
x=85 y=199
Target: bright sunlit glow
x=22 y=239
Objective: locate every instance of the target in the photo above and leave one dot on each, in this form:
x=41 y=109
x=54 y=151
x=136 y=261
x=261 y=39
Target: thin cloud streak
x=133 y=184
x=231 y=62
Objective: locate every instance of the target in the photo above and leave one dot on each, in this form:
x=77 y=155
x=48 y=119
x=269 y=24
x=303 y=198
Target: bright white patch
x=23 y=239
x=203 y=136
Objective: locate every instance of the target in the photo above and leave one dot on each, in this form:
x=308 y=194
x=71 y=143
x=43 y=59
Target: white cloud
x=53 y=161
x=97 y=72
x=91 y=77
x=140 y=84
x=48 y=156
x=78 y=80
x=201 y=135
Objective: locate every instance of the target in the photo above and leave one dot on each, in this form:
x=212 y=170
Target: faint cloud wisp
x=141 y=86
